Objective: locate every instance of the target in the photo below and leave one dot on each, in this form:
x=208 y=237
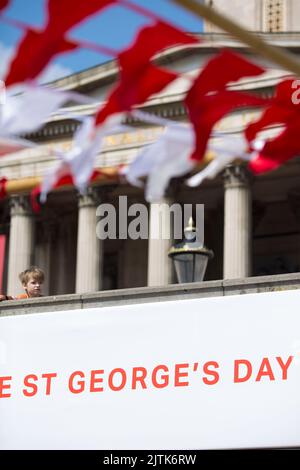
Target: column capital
x=20 y=241
x=236 y=176
x=89 y=199
x=172 y=191
x=19 y=205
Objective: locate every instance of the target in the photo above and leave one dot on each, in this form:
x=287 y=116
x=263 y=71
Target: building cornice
x=106 y=73
x=167 y=104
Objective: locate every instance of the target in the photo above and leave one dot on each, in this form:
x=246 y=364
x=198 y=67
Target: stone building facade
x=251 y=223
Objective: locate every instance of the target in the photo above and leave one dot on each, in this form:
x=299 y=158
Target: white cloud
x=52 y=72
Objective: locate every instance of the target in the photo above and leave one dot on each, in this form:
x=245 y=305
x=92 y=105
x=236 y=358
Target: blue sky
x=115 y=27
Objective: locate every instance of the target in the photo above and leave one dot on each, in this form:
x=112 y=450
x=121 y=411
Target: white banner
x=210 y=373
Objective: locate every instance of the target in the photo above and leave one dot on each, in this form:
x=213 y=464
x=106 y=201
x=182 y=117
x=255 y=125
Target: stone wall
x=152 y=294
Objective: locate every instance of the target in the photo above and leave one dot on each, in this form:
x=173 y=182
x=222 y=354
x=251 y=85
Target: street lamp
x=190 y=256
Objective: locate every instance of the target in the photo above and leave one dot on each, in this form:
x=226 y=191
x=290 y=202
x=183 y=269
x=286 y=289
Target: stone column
x=42 y=252
x=237 y=223
x=88 y=264
x=20 y=242
x=159 y=243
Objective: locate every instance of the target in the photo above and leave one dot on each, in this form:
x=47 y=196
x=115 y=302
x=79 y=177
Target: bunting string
x=182 y=146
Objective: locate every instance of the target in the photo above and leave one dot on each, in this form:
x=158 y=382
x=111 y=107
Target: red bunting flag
x=283 y=110
x=211 y=109
x=65 y=180
x=279 y=150
x=131 y=91
x=208 y=101
x=222 y=69
x=3 y=182
x=11 y=145
x=33 y=54
x=2 y=260
x=140 y=79
x=62 y=15
x=34 y=199
x=4 y=4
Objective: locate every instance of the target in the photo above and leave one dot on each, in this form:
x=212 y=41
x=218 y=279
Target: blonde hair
x=36 y=273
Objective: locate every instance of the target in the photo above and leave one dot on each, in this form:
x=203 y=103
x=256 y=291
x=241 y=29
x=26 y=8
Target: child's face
x=33 y=287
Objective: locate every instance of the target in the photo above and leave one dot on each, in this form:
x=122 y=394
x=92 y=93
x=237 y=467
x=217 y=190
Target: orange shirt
x=25 y=296
x=22 y=296
x=18 y=297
